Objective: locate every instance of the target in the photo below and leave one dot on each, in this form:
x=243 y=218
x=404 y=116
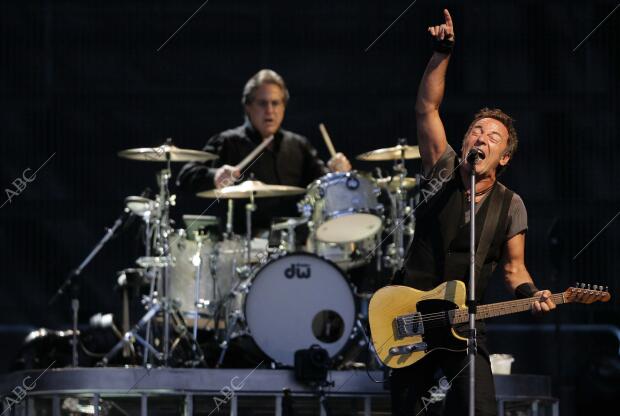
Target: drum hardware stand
x=249 y=209
x=200 y=303
x=158 y=302
x=229 y=217
x=130 y=336
x=155 y=306
x=235 y=317
x=72 y=282
x=400 y=211
x=197 y=262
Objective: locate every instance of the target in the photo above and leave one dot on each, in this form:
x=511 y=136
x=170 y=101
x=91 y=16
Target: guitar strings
x=557 y=298
x=443 y=315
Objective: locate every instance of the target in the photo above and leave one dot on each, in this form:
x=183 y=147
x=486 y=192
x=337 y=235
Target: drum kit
x=285 y=296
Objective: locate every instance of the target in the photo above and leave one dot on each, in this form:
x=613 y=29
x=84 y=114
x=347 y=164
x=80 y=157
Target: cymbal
x=391 y=153
x=392 y=183
x=158 y=154
x=140 y=205
x=249 y=187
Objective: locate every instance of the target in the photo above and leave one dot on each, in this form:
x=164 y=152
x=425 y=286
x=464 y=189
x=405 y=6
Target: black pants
x=410 y=385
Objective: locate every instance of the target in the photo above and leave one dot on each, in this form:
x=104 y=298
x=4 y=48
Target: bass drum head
x=296 y=301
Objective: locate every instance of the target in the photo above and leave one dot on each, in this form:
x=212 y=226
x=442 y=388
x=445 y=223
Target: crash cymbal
x=247 y=188
x=393 y=183
x=391 y=153
x=158 y=154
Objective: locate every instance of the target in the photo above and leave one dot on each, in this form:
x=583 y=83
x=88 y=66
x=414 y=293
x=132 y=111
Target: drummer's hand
x=226 y=176
x=339 y=163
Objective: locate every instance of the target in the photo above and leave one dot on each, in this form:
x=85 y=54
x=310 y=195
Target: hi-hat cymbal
x=288 y=223
x=140 y=205
x=391 y=153
x=158 y=154
x=393 y=183
x=247 y=188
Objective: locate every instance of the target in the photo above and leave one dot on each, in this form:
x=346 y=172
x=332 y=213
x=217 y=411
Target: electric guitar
x=406 y=324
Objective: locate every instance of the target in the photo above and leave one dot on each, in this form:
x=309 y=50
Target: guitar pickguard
x=437 y=328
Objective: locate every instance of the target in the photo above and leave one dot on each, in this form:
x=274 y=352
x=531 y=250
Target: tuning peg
x=576 y=284
x=606 y=288
x=595 y=287
x=583 y=285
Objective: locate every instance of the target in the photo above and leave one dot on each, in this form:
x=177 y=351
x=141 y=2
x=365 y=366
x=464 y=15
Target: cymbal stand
x=159 y=302
x=165 y=200
x=235 y=316
x=198 y=261
x=72 y=281
x=399 y=212
x=229 y=217
x=249 y=209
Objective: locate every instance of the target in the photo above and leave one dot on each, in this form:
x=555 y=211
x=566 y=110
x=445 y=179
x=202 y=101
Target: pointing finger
x=448 y=18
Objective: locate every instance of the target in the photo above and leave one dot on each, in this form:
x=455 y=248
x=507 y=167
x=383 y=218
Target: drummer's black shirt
x=289 y=160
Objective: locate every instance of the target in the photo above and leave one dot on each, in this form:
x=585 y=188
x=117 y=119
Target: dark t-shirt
x=445 y=169
x=289 y=160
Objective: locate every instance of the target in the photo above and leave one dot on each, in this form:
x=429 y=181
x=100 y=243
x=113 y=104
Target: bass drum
x=296 y=301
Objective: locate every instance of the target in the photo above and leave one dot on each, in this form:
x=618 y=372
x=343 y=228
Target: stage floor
x=179 y=391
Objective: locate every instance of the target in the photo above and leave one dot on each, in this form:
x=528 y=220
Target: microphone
x=474 y=155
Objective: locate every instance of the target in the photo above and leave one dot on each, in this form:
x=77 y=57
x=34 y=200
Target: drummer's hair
x=264 y=76
x=508 y=122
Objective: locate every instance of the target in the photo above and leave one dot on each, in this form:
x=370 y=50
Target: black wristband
x=444 y=46
x=525 y=290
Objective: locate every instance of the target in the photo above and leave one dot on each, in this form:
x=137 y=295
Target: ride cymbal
x=393 y=183
x=159 y=154
x=251 y=187
x=391 y=153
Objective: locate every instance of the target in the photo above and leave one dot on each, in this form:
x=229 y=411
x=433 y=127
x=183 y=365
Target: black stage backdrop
x=82 y=80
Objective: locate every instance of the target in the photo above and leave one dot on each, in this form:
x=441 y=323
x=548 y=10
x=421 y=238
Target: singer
x=440 y=249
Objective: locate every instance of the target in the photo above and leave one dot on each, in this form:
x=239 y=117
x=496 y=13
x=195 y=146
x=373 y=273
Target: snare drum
x=346 y=255
x=343 y=207
x=295 y=301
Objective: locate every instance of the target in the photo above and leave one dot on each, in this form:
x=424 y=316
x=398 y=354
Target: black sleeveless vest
x=440 y=247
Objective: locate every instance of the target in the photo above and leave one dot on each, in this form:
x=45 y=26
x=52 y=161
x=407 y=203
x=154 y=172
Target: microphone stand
x=471 y=301
x=72 y=282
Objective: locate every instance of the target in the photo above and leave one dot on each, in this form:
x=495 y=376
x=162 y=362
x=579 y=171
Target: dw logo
x=301 y=271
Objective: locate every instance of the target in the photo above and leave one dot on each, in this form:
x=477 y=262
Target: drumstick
x=241 y=165
x=328 y=141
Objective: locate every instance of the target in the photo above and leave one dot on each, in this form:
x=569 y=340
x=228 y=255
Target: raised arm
x=431 y=134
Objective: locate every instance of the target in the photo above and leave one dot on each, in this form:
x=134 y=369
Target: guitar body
x=392 y=301
x=407 y=324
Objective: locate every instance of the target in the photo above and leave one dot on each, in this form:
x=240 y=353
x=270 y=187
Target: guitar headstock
x=586 y=293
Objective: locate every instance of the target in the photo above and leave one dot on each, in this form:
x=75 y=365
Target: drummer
x=289 y=160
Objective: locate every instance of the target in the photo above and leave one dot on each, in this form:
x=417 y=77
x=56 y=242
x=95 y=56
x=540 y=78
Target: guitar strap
x=489 y=227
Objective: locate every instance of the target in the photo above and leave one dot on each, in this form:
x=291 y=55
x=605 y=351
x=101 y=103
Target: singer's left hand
x=339 y=163
x=544 y=304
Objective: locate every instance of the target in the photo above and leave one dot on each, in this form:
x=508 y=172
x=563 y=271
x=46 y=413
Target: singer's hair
x=264 y=76
x=508 y=122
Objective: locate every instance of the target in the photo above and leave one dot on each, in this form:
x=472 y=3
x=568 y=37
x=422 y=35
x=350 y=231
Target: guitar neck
x=502 y=308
